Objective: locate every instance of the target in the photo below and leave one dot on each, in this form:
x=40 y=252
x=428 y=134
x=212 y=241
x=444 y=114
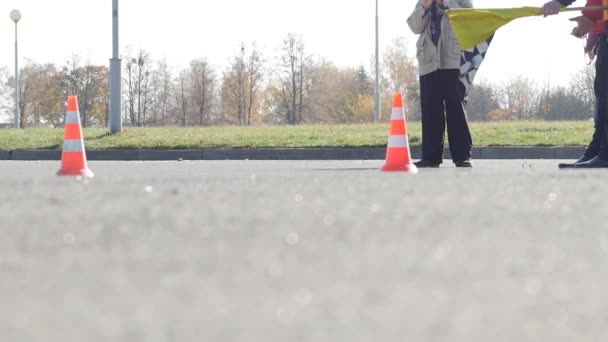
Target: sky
x=541 y=49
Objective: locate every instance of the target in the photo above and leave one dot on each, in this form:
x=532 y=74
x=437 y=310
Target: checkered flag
x=470 y=60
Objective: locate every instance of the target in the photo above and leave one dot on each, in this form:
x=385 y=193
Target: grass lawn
x=505 y=133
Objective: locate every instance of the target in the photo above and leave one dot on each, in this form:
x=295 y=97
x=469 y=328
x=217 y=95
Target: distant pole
x=16 y=16
x=115 y=77
x=377 y=92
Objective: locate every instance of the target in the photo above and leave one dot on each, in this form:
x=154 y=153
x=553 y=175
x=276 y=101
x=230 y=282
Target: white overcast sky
x=339 y=30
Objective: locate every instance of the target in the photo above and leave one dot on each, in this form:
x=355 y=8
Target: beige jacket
x=446 y=55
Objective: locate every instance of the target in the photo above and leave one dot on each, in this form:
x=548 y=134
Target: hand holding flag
x=551 y=8
x=475 y=29
x=473 y=26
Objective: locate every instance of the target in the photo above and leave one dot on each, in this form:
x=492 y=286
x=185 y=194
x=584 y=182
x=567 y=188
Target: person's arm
x=419 y=19
x=458 y=3
x=552 y=7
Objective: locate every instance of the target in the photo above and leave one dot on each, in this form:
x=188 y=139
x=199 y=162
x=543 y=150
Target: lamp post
x=16 y=16
x=377 y=91
x=115 y=78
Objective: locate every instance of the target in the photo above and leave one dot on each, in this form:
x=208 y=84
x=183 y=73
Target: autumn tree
x=90 y=83
x=483 y=100
x=341 y=95
x=241 y=86
x=332 y=96
x=40 y=97
x=518 y=97
x=233 y=89
x=400 y=74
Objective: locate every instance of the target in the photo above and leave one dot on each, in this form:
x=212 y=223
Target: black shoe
x=463 y=163
x=595 y=163
x=426 y=163
x=584 y=158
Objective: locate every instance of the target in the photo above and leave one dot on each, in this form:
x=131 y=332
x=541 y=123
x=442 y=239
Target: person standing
x=593 y=23
x=442 y=95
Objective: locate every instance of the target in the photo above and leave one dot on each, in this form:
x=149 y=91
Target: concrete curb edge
x=347 y=153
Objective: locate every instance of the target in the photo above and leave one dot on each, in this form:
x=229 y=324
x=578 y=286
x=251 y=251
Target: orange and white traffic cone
x=398 y=157
x=73 y=157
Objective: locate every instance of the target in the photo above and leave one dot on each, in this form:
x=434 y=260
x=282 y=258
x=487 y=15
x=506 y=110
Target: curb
x=354 y=153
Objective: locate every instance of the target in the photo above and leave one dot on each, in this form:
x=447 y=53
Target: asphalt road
x=303 y=251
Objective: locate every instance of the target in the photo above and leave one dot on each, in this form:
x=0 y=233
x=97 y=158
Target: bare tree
x=161 y=90
x=519 y=96
x=27 y=81
x=581 y=87
x=564 y=104
x=181 y=96
x=400 y=74
x=294 y=75
x=137 y=92
x=7 y=104
x=255 y=73
x=203 y=84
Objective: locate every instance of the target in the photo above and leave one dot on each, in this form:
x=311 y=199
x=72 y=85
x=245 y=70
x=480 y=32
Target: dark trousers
x=442 y=101
x=600 y=87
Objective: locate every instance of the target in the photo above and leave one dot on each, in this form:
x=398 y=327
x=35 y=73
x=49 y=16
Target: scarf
x=436 y=16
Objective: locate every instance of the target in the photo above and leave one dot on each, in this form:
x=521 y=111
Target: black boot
x=584 y=158
x=595 y=163
x=425 y=163
x=463 y=163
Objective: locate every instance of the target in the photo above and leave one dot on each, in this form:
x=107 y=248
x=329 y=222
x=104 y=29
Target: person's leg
x=433 y=119
x=599 y=143
x=459 y=136
x=593 y=149
x=599 y=88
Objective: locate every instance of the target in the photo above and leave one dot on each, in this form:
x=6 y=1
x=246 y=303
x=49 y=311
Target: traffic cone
x=73 y=157
x=398 y=157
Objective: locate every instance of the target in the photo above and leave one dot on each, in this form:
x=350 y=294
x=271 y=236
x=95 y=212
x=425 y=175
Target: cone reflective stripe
x=73 y=157
x=398 y=141
x=398 y=114
x=72 y=118
x=398 y=157
x=73 y=145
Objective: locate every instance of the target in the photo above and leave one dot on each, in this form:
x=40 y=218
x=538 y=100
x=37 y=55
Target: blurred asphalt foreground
x=513 y=250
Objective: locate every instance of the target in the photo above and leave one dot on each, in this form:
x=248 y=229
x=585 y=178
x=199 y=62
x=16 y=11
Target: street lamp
x=16 y=16
x=115 y=78
x=377 y=91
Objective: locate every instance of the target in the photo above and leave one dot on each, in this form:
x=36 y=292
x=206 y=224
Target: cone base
x=410 y=168
x=77 y=172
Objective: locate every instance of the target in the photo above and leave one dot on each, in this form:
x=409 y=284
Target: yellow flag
x=473 y=26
